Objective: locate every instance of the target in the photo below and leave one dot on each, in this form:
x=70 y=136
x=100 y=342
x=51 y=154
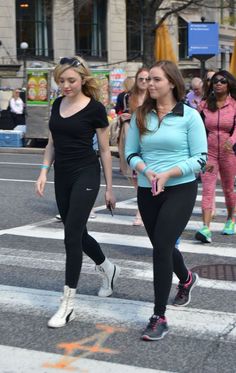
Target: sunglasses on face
x=143 y=79
x=220 y=80
x=70 y=61
x=208 y=79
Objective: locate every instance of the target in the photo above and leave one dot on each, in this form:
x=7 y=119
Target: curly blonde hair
x=90 y=87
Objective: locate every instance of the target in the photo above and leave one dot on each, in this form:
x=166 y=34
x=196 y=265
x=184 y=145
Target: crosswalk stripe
x=183 y=321
x=119 y=239
x=130 y=269
x=35 y=361
x=128 y=220
x=131 y=204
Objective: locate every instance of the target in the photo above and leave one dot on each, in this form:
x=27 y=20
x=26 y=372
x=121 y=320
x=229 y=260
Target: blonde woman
x=76 y=116
x=17 y=107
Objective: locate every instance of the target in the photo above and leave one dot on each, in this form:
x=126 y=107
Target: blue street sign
x=203 y=38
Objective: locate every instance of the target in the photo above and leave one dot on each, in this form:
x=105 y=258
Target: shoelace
x=183 y=290
x=153 y=322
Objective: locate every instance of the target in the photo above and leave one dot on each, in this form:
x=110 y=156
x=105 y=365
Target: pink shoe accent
x=190 y=280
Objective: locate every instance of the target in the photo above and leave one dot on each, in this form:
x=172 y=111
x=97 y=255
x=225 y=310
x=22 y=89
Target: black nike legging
x=165 y=217
x=76 y=193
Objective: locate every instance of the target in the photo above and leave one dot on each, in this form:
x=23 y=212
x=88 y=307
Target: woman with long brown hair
x=136 y=98
x=166 y=144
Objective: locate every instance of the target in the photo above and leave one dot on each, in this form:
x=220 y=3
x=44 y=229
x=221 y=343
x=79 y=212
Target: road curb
x=26 y=150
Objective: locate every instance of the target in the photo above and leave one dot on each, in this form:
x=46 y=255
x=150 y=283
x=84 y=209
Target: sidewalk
x=28 y=150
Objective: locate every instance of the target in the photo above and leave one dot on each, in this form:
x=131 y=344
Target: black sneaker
x=156 y=329
x=183 y=297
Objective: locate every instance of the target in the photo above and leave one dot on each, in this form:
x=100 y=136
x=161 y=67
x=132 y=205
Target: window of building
x=232 y=12
x=183 y=38
x=134 y=17
x=90 y=28
x=34 y=26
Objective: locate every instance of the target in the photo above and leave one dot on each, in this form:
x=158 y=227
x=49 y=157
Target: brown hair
x=133 y=99
x=174 y=76
x=90 y=87
x=205 y=86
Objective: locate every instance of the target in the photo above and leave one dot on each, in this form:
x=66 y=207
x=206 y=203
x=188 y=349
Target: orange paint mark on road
x=85 y=345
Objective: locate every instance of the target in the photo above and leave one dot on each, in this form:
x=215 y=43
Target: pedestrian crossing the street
x=130 y=312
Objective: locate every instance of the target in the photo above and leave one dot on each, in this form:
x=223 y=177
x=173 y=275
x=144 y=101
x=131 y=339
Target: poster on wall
x=37 y=87
x=117 y=76
x=102 y=77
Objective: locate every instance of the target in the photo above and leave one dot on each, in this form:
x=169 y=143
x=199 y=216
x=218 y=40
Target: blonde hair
x=90 y=87
x=14 y=92
x=128 y=84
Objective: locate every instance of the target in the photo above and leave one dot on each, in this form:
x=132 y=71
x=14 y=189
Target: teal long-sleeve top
x=179 y=140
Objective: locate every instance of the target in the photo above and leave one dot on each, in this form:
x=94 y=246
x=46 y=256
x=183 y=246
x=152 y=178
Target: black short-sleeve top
x=73 y=136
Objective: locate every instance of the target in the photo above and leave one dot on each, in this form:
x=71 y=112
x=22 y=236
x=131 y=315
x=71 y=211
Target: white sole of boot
x=60 y=325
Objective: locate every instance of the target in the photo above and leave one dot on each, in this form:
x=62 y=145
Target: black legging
x=76 y=193
x=165 y=217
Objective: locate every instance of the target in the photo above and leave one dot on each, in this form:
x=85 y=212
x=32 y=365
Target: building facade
x=107 y=33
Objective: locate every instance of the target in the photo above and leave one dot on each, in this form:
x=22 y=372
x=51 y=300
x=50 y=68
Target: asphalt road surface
x=105 y=336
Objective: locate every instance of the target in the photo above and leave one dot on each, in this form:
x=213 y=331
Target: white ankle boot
x=65 y=312
x=110 y=274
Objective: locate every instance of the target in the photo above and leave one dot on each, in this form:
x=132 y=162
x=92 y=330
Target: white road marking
x=35 y=230
x=128 y=220
x=130 y=269
x=37 y=361
x=206 y=324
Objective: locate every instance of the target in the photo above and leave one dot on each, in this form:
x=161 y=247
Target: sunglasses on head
x=220 y=80
x=70 y=61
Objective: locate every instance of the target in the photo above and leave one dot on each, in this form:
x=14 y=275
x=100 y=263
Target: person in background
x=206 y=84
x=136 y=98
x=75 y=118
x=122 y=101
x=17 y=108
x=166 y=144
x=219 y=114
x=194 y=97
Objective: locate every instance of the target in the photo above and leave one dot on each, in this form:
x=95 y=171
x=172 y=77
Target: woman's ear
x=83 y=81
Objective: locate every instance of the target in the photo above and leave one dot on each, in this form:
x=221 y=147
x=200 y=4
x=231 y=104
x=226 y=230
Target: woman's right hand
x=40 y=184
x=150 y=175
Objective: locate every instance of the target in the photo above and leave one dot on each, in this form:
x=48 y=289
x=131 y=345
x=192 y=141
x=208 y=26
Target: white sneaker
x=65 y=313
x=110 y=273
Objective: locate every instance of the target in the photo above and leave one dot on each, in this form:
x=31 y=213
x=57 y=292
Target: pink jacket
x=220 y=125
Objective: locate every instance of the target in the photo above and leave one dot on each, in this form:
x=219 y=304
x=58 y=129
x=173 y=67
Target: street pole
x=24 y=46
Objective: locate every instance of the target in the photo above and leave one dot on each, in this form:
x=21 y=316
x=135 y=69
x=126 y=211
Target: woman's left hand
x=110 y=199
x=160 y=180
x=228 y=146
